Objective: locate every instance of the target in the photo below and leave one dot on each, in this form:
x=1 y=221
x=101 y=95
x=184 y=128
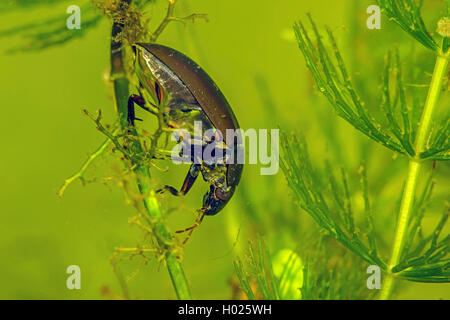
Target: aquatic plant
x=410 y=129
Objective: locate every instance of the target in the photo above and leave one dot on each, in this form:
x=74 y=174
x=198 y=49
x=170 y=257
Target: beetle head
x=215 y=199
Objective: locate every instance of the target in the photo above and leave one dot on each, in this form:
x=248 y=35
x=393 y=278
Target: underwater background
x=249 y=49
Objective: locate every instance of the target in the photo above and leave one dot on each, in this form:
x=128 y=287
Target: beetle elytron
x=193 y=96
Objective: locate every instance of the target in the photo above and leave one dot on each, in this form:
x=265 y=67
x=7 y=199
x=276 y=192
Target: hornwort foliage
x=408 y=129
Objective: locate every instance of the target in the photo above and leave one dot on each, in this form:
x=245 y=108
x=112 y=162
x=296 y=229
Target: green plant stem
x=84 y=167
x=166 y=20
x=163 y=236
x=414 y=169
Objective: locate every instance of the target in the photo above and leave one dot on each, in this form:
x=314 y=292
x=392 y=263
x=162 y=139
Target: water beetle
x=193 y=96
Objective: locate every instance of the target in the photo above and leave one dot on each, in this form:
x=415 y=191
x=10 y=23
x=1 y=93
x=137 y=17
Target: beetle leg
x=135 y=99
x=191 y=229
x=139 y=89
x=187 y=184
x=190 y=178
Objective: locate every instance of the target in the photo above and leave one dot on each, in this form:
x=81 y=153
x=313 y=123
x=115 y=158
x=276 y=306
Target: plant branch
x=84 y=167
x=170 y=17
x=166 y=20
x=121 y=94
x=414 y=169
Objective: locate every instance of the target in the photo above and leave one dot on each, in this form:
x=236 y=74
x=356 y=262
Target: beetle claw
x=171 y=189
